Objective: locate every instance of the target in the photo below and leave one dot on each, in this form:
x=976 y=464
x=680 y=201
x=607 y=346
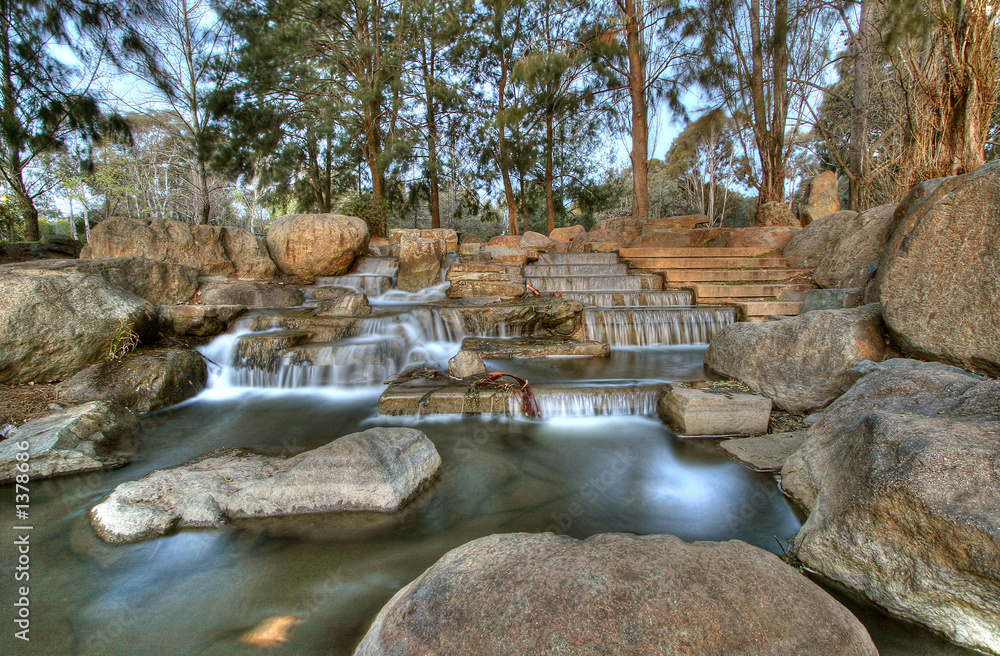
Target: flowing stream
x=198 y=591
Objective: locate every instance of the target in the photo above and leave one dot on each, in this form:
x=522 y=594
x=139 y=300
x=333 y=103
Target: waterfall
x=655 y=326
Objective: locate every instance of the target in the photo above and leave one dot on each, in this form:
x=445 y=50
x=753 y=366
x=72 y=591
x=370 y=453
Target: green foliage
x=373 y=210
x=123 y=341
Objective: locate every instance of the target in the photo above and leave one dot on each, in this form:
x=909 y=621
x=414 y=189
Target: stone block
x=698 y=412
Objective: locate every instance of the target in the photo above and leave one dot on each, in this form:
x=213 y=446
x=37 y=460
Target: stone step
x=728 y=275
x=576 y=270
x=713 y=292
x=596 y=283
x=662 y=264
x=759 y=310
x=577 y=258
x=553 y=400
x=753 y=251
x=649 y=298
x=534 y=347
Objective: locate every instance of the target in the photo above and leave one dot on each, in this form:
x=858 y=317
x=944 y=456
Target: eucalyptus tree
x=944 y=55
x=337 y=67
x=638 y=50
x=44 y=100
x=764 y=60
x=181 y=52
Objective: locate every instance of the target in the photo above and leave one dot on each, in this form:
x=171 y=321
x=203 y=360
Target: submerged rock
x=543 y=594
x=901 y=480
x=379 y=470
x=764 y=453
x=70 y=441
x=141 y=381
x=802 y=363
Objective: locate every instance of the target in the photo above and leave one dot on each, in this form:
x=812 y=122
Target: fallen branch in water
x=520 y=390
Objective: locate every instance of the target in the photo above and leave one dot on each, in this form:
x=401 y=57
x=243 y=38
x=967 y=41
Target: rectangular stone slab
x=665 y=263
x=492 y=347
x=694 y=252
x=694 y=412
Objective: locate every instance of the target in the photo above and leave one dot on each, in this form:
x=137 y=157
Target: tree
x=183 y=51
x=701 y=159
x=43 y=99
x=638 y=51
x=764 y=65
x=944 y=56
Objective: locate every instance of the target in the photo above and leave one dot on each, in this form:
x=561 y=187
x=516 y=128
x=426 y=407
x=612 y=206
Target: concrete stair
x=749 y=279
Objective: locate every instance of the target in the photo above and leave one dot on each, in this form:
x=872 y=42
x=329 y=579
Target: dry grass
x=21 y=402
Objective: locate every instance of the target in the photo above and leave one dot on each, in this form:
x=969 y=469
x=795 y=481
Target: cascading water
x=655 y=326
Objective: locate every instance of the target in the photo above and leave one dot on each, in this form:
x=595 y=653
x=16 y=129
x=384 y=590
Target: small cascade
x=649 y=298
x=595 y=283
x=578 y=258
x=540 y=270
x=372 y=276
x=609 y=398
x=655 y=326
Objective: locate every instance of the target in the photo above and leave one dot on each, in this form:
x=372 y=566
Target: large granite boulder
x=213 y=250
x=901 y=480
x=820 y=199
x=316 y=244
x=420 y=263
x=598 y=241
x=198 y=320
x=69 y=441
x=776 y=214
x=537 y=241
x=808 y=248
x=250 y=294
x=939 y=279
x=660 y=239
x=615 y=593
x=142 y=381
x=801 y=363
x=773 y=237
x=157 y=281
x=626 y=228
x=377 y=470
x=55 y=323
x=567 y=234
x=861 y=243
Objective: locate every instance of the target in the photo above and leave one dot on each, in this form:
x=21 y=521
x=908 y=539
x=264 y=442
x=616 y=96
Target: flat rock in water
x=764 y=453
x=901 y=478
x=70 y=441
x=698 y=412
x=543 y=594
x=377 y=470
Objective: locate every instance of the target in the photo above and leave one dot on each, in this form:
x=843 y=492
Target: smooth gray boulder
x=55 y=323
x=901 y=480
x=830 y=299
x=807 y=248
x=69 y=441
x=939 y=278
x=377 y=470
x=801 y=363
x=615 y=593
x=142 y=381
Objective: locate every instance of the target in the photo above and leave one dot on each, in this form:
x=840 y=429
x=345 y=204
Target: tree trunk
x=637 y=93
x=858 y=143
x=770 y=137
x=432 y=139
x=205 y=206
x=508 y=193
x=550 y=204
x=503 y=157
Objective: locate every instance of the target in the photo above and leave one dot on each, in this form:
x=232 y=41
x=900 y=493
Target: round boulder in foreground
x=316 y=244
x=615 y=593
